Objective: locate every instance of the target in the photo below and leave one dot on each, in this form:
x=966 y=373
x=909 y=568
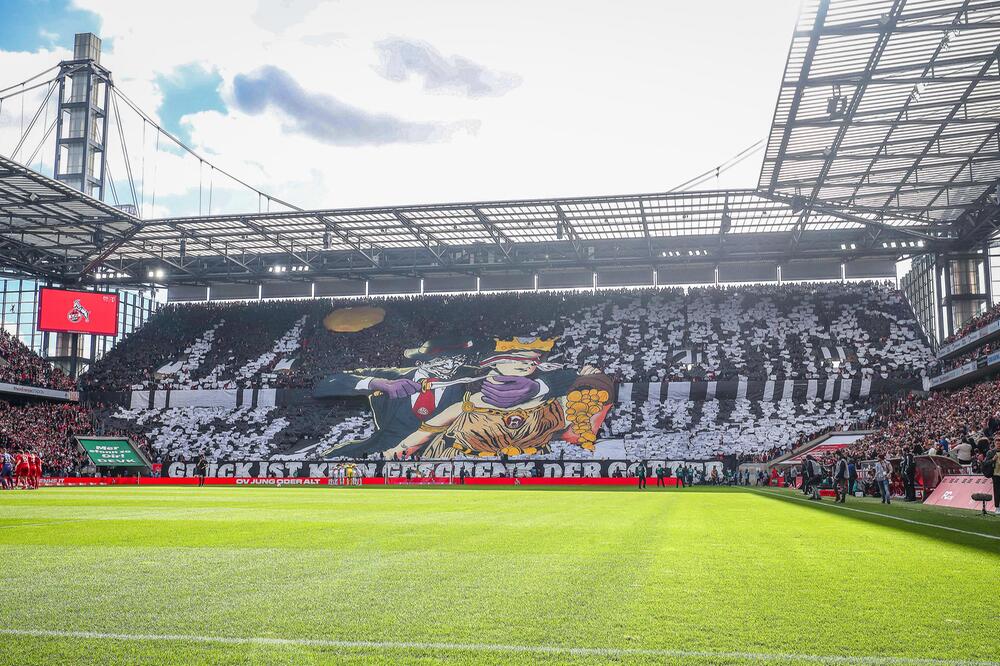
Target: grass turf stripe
x=489 y=647
x=841 y=507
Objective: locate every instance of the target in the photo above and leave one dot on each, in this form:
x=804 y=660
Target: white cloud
x=327 y=119
x=402 y=59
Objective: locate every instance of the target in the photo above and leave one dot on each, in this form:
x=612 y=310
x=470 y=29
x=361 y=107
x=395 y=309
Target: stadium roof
x=890 y=105
x=884 y=143
x=50 y=229
x=648 y=229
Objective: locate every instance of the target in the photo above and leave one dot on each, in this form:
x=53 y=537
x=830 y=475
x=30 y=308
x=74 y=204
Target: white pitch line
x=779 y=495
x=491 y=647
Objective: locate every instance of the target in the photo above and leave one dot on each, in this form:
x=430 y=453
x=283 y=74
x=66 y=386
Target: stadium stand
x=134 y=360
x=52 y=426
x=247 y=433
x=944 y=365
x=944 y=421
x=20 y=365
x=803 y=333
x=674 y=429
x=700 y=430
x=752 y=332
x=974 y=324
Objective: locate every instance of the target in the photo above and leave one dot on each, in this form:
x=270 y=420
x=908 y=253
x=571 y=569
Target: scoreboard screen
x=69 y=311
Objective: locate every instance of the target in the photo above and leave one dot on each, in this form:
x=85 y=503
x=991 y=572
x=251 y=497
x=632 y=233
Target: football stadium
x=257 y=408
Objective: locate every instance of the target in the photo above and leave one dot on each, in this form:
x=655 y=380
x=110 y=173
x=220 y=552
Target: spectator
x=993 y=458
x=20 y=365
x=883 y=472
x=841 y=478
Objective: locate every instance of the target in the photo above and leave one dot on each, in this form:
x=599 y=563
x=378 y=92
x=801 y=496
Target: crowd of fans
x=46 y=428
x=697 y=430
x=244 y=433
x=797 y=331
x=20 y=365
x=945 y=365
x=975 y=323
x=777 y=451
x=961 y=423
x=135 y=359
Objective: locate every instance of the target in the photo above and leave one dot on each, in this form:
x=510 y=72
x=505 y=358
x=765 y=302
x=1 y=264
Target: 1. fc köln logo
x=78 y=313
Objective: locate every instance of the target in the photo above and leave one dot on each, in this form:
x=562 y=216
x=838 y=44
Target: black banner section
x=309 y=469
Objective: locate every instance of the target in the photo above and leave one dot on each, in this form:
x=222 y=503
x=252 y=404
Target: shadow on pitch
x=895 y=515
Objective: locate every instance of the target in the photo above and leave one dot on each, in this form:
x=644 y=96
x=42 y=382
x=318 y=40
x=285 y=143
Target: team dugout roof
x=884 y=143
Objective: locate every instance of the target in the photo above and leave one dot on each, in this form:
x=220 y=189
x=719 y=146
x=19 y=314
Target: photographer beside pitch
x=841 y=478
x=812 y=476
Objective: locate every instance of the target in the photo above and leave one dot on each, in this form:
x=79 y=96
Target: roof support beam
x=822 y=152
x=645 y=227
x=959 y=18
x=969 y=165
x=943 y=64
x=987 y=65
x=968 y=7
x=570 y=232
x=425 y=237
x=355 y=245
x=886 y=24
x=262 y=232
x=498 y=236
x=925 y=27
x=901 y=122
x=833 y=211
x=807 y=59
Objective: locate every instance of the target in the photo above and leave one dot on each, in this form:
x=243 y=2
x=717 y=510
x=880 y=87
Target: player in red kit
x=29 y=470
x=36 y=470
x=20 y=470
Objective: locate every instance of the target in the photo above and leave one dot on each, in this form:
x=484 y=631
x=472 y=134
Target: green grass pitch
x=476 y=575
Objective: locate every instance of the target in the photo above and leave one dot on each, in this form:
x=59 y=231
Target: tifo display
x=661 y=374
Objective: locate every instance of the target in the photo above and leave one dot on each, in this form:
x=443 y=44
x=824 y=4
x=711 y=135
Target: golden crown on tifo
x=525 y=344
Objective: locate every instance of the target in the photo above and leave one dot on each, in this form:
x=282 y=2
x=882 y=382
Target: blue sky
x=331 y=103
x=188 y=89
x=30 y=25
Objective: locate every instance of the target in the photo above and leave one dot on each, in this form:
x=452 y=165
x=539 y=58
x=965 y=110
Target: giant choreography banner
x=458 y=397
x=393 y=469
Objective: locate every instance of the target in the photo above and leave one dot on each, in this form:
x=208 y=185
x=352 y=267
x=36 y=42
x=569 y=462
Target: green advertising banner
x=112 y=452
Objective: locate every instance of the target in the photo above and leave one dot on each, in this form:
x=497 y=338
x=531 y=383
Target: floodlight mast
x=82 y=118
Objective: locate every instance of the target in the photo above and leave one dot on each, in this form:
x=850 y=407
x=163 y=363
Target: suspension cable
x=28 y=89
x=718 y=170
x=26 y=132
x=41 y=143
x=142 y=166
x=111 y=183
x=195 y=154
x=28 y=80
x=156 y=163
x=125 y=156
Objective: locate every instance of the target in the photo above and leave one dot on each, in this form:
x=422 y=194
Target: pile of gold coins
x=581 y=406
